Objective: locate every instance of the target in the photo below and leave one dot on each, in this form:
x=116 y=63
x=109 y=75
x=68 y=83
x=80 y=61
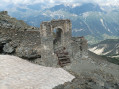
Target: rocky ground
x=92 y=73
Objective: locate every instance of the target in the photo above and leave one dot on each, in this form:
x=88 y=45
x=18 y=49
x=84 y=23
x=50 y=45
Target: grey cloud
x=58 y=1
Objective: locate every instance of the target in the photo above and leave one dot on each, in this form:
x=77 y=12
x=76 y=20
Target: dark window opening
x=1 y=48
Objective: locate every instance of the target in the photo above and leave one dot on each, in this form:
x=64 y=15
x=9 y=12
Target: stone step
x=62 y=54
x=62 y=64
x=65 y=62
x=63 y=58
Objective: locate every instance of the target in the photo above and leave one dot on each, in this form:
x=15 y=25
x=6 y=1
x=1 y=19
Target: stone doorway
x=57 y=38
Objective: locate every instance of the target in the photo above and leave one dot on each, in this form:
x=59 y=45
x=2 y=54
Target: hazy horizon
x=5 y=3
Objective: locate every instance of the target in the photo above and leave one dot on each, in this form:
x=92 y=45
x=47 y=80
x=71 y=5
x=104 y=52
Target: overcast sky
x=7 y=2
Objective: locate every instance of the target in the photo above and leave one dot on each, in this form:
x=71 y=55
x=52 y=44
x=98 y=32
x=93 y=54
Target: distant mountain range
x=91 y=20
x=109 y=47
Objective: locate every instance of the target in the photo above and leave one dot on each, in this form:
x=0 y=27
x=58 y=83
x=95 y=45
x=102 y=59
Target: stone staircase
x=63 y=56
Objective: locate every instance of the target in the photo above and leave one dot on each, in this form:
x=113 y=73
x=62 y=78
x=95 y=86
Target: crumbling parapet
x=79 y=48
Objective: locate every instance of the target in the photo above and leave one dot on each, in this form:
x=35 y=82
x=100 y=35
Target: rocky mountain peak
x=3 y=13
x=7 y=21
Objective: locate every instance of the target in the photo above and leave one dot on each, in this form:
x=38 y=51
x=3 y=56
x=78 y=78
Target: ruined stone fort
x=57 y=42
x=51 y=45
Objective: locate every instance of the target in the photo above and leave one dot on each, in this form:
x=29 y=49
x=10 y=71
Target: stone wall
x=79 y=48
x=24 y=44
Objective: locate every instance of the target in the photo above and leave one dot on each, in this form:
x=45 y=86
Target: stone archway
x=57 y=38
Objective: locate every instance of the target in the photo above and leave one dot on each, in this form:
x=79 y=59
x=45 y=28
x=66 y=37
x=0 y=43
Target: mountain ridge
x=109 y=47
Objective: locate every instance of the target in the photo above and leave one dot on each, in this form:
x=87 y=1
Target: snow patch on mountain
x=85 y=15
x=96 y=50
x=101 y=20
x=78 y=30
x=16 y=73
